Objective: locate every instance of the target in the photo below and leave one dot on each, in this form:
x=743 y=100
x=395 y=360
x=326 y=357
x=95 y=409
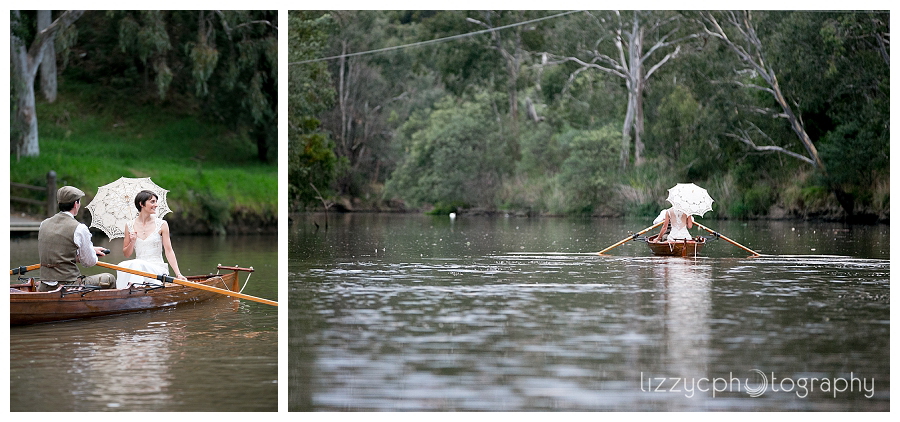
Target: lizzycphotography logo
x=762 y=383
x=760 y=388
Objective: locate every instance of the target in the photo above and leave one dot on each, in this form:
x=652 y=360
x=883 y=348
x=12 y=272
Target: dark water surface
x=412 y=312
x=218 y=355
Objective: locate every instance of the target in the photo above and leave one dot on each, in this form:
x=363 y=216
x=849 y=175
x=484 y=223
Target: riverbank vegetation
x=777 y=114
x=205 y=141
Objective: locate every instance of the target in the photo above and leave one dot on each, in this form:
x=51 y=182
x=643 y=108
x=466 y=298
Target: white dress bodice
x=678 y=221
x=150 y=249
x=148 y=253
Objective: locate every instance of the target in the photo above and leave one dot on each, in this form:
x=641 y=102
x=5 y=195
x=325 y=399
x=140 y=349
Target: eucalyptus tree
x=365 y=90
x=632 y=46
x=26 y=58
x=228 y=60
x=741 y=37
x=48 y=63
x=827 y=76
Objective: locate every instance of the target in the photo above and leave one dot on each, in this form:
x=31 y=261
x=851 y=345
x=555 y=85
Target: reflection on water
x=145 y=353
x=685 y=313
x=217 y=355
x=420 y=313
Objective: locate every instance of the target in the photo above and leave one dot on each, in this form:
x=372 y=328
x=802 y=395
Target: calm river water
x=413 y=312
x=218 y=355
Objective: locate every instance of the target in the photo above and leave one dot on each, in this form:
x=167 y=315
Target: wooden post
x=51 y=193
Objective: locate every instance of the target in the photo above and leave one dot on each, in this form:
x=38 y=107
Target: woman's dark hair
x=142 y=197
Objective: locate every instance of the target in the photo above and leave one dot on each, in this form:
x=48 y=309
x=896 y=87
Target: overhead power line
x=450 y=38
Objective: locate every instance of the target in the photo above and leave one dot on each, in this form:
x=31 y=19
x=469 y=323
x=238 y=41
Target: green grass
x=88 y=146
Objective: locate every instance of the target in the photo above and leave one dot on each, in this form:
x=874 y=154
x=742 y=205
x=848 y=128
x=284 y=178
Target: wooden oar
x=727 y=239
x=634 y=236
x=169 y=279
x=23 y=270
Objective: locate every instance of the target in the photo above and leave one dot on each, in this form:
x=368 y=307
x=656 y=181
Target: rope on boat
x=247 y=281
x=225 y=286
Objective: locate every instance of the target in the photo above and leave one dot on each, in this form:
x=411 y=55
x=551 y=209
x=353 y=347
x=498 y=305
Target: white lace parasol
x=113 y=205
x=690 y=199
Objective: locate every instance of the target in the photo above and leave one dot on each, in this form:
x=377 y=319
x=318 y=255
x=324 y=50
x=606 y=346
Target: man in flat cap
x=63 y=241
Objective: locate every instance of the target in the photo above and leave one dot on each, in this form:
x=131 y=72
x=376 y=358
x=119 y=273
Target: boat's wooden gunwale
x=28 y=307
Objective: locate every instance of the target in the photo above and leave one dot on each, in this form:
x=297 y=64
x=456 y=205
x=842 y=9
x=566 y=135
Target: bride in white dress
x=147 y=236
x=680 y=223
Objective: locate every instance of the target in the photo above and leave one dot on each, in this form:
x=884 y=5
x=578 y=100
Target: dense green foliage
x=188 y=98
x=311 y=159
x=504 y=120
x=220 y=66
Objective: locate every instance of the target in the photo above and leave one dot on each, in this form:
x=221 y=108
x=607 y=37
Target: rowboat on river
x=28 y=306
x=684 y=248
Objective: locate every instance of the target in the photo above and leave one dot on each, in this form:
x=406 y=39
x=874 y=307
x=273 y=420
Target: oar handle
x=727 y=239
x=23 y=270
x=633 y=236
x=169 y=279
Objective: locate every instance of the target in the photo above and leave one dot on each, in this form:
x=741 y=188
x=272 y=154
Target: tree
x=229 y=58
x=358 y=121
x=48 y=63
x=455 y=154
x=836 y=95
x=25 y=63
x=311 y=157
x=250 y=72
x=632 y=62
x=512 y=50
x=835 y=67
x=748 y=47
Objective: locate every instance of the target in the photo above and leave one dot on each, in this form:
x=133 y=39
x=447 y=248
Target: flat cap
x=68 y=194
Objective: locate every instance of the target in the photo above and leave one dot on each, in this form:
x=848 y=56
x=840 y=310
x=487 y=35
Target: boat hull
x=30 y=307
x=683 y=248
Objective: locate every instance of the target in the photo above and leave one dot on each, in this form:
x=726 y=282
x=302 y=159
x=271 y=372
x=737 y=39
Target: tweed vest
x=57 y=248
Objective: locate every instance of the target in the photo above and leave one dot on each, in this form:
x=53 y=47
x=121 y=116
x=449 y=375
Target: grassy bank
x=214 y=179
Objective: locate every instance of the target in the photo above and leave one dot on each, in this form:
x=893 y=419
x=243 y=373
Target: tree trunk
x=626 y=129
x=513 y=64
x=796 y=125
x=636 y=74
x=262 y=144
x=24 y=68
x=26 y=130
x=343 y=94
x=48 y=64
x=639 y=124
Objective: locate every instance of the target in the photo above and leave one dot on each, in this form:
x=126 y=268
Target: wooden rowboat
x=679 y=248
x=28 y=306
